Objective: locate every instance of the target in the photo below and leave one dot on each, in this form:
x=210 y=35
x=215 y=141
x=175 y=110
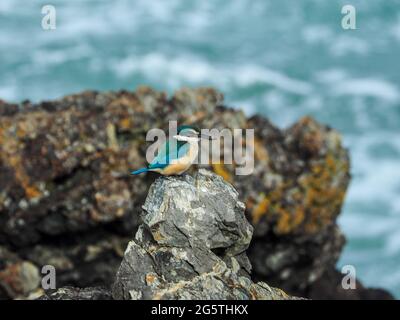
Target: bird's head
x=190 y=133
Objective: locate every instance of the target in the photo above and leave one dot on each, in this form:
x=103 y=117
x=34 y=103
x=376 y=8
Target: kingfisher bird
x=176 y=156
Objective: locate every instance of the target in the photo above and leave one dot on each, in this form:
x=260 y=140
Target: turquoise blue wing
x=183 y=149
x=169 y=151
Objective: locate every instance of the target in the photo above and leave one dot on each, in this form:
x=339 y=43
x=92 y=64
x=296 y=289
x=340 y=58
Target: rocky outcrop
x=191 y=245
x=66 y=197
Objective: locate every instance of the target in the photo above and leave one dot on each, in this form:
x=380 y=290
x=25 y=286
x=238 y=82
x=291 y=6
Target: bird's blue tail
x=140 y=171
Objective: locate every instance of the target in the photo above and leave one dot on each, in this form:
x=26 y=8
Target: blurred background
x=282 y=59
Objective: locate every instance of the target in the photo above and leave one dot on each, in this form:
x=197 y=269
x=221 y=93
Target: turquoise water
x=283 y=59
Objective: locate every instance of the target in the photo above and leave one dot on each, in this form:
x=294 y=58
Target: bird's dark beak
x=206 y=136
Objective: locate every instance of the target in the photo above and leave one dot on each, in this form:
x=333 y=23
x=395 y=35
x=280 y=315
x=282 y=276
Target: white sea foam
x=181 y=69
x=315 y=34
x=345 y=44
x=250 y=74
x=342 y=84
x=331 y=76
x=395 y=29
x=338 y=44
x=374 y=178
x=8 y=93
x=375 y=186
x=368 y=87
x=45 y=58
x=6 y=6
x=358 y=226
x=339 y=83
x=393 y=242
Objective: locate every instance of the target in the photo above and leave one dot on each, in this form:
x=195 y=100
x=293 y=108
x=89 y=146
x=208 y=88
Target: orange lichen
x=260 y=210
x=284 y=222
x=157 y=235
x=219 y=168
x=125 y=123
x=150 y=278
x=268 y=203
x=10 y=146
x=260 y=151
x=4 y=126
x=322 y=198
x=298 y=217
x=32 y=192
x=314 y=199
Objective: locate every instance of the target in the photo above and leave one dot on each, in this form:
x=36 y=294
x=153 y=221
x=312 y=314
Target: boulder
x=191 y=245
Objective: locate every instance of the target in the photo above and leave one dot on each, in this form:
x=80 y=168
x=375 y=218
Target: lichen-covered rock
x=191 y=245
x=65 y=186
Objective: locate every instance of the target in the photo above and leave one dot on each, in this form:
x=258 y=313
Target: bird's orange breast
x=175 y=168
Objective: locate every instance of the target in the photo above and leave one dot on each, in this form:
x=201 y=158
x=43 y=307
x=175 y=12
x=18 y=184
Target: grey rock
x=191 y=244
x=70 y=293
